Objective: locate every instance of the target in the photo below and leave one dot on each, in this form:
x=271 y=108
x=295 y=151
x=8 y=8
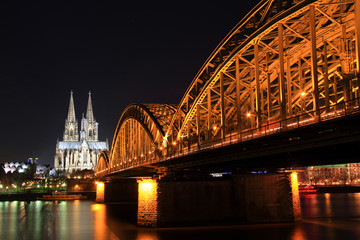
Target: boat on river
x=61 y=196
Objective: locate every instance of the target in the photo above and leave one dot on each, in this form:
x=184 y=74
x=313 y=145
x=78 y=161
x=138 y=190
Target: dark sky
x=138 y=52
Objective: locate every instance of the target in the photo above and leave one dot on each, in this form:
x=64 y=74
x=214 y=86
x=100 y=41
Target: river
x=325 y=216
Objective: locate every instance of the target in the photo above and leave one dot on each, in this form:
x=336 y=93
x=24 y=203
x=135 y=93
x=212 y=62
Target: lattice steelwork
x=286 y=64
x=139 y=135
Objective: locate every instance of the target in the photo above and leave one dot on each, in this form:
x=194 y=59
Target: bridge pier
x=118 y=190
x=252 y=198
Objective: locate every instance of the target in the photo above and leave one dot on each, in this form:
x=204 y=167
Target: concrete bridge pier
x=251 y=198
x=117 y=190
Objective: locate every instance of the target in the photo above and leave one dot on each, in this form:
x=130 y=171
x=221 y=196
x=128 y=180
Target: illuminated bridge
x=289 y=68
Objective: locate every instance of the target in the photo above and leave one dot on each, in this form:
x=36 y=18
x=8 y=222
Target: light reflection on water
x=52 y=220
x=325 y=216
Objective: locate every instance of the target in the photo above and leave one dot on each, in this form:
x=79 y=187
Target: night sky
x=138 y=52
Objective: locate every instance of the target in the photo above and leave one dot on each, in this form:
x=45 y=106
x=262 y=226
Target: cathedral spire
x=89 y=111
x=71 y=113
x=71 y=125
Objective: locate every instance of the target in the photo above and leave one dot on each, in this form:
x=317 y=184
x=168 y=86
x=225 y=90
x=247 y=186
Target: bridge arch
x=139 y=133
x=103 y=161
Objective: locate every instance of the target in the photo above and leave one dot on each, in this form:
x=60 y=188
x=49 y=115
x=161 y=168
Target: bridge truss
x=288 y=63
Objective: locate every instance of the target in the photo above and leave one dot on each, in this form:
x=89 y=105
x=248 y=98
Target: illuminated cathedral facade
x=79 y=150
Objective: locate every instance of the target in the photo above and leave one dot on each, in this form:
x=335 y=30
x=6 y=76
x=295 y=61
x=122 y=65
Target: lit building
x=79 y=150
x=19 y=167
x=338 y=174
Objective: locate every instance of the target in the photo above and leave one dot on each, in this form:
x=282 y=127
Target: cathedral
x=79 y=150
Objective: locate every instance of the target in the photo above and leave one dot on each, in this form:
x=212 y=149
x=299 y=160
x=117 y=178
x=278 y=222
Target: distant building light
x=219 y=174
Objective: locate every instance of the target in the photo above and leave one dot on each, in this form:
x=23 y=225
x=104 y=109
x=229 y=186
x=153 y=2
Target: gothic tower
x=71 y=124
x=89 y=126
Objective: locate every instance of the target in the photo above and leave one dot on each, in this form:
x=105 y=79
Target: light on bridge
x=248 y=114
x=147 y=186
x=303 y=94
x=174 y=143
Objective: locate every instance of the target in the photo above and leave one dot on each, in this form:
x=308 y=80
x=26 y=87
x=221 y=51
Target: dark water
x=325 y=216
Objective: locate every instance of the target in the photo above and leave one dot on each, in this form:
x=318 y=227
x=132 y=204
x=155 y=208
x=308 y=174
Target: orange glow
x=147 y=202
x=100 y=230
x=214 y=127
x=303 y=94
x=248 y=114
x=100 y=192
x=97 y=207
x=174 y=143
x=146 y=236
x=76 y=187
x=295 y=196
x=147 y=186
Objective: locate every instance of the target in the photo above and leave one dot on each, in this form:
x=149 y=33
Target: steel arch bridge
x=286 y=64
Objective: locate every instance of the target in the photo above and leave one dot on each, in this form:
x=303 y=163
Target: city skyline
x=123 y=54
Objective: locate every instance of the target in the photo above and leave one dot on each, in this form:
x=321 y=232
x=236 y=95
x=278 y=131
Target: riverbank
x=32 y=196
x=29 y=196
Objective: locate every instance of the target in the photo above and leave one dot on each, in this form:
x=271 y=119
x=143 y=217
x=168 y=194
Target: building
x=338 y=174
x=79 y=150
x=19 y=167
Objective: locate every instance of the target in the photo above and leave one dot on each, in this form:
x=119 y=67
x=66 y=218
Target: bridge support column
x=253 y=198
x=100 y=192
x=147 y=203
x=124 y=190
